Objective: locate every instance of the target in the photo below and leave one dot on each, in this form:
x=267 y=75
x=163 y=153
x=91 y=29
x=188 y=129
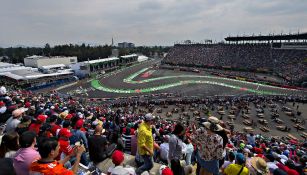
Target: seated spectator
x=14 y=120
x=231 y=160
x=64 y=143
x=258 y=166
x=165 y=170
x=6 y=166
x=2 y=107
x=26 y=154
x=97 y=145
x=48 y=149
x=23 y=125
x=9 y=145
x=237 y=168
x=118 y=159
x=39 y=121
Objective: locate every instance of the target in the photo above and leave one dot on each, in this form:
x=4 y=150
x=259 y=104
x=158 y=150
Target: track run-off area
x=167 y=82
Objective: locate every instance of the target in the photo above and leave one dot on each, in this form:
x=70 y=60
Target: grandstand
x=240 y=54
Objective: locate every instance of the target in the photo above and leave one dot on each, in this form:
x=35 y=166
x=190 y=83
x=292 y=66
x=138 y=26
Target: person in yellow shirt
x=237 y=168
x=145 y=144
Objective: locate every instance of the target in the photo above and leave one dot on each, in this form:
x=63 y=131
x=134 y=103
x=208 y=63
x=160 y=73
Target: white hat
x=208 y=125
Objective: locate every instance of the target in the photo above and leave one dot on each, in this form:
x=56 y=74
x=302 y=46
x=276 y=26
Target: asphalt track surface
x=132 y=82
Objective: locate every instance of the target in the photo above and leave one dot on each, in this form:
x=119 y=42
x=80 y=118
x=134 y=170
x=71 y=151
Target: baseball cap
x=164 y=170
x=68 y=117
x=18 y=112
x=64 y=132
x=2 y=103
x=42 y=118
x=240 y=158
x=117 y=157
x=79 y=123
x=148 y=117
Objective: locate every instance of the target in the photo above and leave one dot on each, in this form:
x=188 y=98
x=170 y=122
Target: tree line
x=83 y=52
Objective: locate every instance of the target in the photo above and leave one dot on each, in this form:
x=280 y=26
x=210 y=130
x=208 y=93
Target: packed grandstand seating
x=47 y=134
x=287 y=63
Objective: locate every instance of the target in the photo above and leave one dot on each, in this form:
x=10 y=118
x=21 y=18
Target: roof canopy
x=302 y=36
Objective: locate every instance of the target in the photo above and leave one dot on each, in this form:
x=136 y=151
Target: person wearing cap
x=237 y=168
x=145 y=144
x=2 y=107
x=165 y=170
x=39 y=122
x=64 y=143
x=258 y=166
x=48 y=149
x=97 y=145
x=26 y=154
x=118 y=168
x=209 y=147
x=12 y=122
x=78 y=135
x=223 y=133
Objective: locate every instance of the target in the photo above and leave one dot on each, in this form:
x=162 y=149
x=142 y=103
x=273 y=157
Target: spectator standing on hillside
x=176 y=149
x=210 y=147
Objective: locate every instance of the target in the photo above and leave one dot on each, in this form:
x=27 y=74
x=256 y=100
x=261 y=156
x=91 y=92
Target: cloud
x=144 y=22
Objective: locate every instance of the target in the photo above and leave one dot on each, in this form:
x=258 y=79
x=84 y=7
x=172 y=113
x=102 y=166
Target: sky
x=144 y=22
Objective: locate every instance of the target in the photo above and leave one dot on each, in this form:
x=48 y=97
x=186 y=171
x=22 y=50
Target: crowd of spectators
x=47 y=134
x=288 y=63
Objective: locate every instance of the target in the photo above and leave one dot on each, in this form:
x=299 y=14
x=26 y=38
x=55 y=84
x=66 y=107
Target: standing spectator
x=126 y=137
x=251 y=139
x=164 y=149
x=145 y=144
x=176 y=149
x=237 y=168
x=9 y=145
x=210 y=148
x=48 y=149
x=26 y=154
x=189 y=151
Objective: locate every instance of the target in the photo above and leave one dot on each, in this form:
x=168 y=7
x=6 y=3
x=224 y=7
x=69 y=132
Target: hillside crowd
x=47 y=134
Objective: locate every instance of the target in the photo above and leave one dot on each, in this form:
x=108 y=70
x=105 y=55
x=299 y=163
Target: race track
x=143 y=79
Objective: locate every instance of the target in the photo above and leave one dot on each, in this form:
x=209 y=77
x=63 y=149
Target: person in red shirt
x=39 y=121
x=48 y=149
x=54 y=126
x=65 y=147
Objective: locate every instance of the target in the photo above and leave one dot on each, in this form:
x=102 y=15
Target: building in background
x=31 y=78
x=40 y=61
x=125 y=45
x=85 y=68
